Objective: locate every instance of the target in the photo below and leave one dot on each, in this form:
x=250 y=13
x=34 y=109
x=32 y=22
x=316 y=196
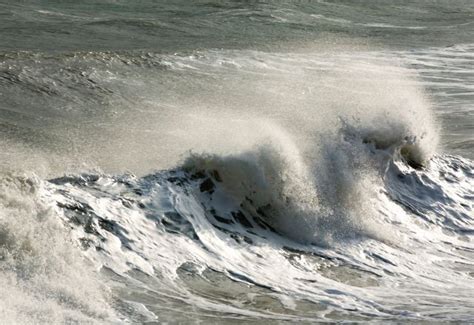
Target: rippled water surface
x=236 y=161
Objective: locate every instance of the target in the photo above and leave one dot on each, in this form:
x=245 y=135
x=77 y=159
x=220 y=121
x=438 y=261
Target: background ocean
x=236 y=161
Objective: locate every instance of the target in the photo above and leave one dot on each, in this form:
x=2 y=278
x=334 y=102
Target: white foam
x=43 y=276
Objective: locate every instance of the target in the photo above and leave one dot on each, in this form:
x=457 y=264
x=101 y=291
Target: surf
x=178 y=182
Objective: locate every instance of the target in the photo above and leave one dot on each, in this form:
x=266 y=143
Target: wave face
x=242 y=237
x=236 y=162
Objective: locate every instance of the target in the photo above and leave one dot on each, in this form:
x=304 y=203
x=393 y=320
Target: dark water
x=181 y=25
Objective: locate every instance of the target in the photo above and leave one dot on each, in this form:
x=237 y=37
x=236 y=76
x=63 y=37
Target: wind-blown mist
x=316 y=170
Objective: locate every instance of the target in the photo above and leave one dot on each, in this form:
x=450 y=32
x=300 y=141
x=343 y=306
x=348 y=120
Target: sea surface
x=265 y=162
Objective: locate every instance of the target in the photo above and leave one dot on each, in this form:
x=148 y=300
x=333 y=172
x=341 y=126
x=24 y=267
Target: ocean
x=265 y=162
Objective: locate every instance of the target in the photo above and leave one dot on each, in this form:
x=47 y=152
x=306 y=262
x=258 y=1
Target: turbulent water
x=236 y=161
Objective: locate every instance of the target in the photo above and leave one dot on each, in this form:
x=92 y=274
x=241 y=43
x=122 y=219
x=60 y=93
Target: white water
x=315 y=189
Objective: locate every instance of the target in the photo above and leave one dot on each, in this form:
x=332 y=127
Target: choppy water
x=236 y=161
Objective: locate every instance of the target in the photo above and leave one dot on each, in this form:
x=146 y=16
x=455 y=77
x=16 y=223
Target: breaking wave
x=286 y=188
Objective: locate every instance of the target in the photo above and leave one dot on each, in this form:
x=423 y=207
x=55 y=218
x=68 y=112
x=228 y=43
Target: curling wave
x=336 y=179
x=219 y=218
